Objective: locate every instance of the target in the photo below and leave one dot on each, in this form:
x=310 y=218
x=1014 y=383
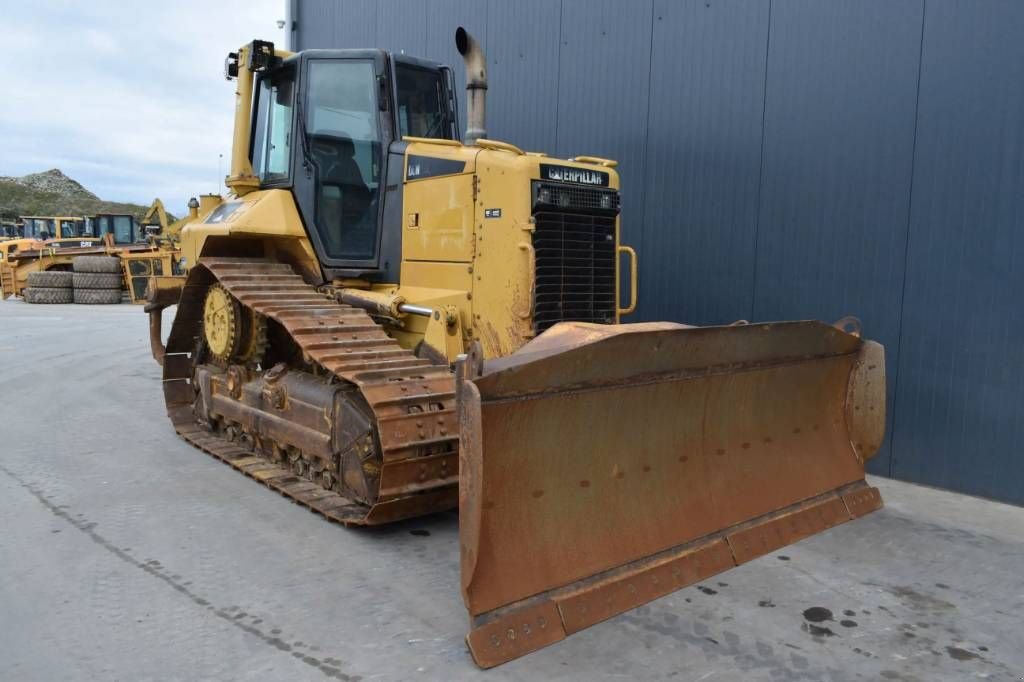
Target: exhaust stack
x=476 y=84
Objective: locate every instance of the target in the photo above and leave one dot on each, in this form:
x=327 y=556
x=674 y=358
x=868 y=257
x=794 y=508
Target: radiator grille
x=575 y=278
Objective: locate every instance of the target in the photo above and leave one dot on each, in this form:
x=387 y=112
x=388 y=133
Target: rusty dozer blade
x=604 y=466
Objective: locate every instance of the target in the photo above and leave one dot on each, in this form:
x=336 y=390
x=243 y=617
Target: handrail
x=632 y=279
x=531 y=269
x=500 y=146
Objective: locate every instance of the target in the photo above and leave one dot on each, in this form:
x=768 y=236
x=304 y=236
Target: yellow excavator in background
x=157 y=225
x=383 y=321
x=155 y=221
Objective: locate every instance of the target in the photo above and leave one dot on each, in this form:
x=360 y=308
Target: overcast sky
x=128 y=98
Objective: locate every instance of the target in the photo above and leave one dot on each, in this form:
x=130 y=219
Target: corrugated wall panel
x=958 y=415
x=703 y=143
x=522 y=50
x=317 y=23
x=836 y=176
x=443 y=17
x=769 y=171
x=355 y=24
x=402 y=26
x=603 y=73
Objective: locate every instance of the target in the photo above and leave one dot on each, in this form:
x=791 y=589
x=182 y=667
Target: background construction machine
x=163 y=234
x=10 y=229
x=145 y=250
x=48 y=244
x=382 y=321
x=45 y=228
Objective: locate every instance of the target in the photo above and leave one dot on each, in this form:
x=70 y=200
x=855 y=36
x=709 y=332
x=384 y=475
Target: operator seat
x=343 y=197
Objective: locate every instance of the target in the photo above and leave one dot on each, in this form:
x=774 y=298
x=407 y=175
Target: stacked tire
x=54 y=286
x=97 y=280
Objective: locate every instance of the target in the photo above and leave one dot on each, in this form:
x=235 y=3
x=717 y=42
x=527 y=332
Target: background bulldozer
x=383 y=321
x=145 y=251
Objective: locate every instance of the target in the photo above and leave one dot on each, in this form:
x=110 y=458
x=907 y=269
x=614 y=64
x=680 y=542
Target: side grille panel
x=575 y=277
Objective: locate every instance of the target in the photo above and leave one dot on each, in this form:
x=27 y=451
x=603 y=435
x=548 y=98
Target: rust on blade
x=516 y=634
x=865 y=402
x=605 y=466
x=760 y=539
x=611 y=596
x=592 y=600
x=863 y=501
x=470 y=470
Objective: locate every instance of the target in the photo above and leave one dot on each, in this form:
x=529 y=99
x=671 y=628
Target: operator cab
x=11 y=230
x=121 y=225
x=328 y=124
x=40 y=228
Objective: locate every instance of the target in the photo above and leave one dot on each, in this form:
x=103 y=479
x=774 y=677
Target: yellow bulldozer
x=383 y=320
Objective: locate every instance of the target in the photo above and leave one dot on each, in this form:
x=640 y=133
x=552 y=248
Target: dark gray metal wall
x=790 y=159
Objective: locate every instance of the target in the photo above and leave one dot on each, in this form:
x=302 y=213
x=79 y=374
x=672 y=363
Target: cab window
x=422 y=102
x=271 y=144
x=123 y=225
x=39 y=228
x=344 y=144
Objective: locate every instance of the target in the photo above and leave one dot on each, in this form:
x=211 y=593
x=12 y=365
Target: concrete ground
x=127 y=554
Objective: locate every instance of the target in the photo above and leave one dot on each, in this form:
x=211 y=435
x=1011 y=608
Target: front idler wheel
x=233 y=332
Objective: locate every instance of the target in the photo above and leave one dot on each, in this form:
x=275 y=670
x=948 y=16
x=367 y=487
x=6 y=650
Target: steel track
x=413 y=400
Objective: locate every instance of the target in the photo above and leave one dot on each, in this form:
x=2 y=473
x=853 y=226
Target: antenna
x=220 y=160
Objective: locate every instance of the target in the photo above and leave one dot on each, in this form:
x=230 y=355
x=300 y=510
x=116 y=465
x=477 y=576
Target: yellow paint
x=444 y=331
x=631 y=252
x=475 y=271
x=452 y=256
x=444 y=225
x=141 y=268
x=268 y=216
x=434 y=285
x=487 y=269
x=241 y=179
x=20 y=257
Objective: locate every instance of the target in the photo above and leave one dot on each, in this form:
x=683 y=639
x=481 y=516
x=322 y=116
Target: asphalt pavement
x=126 y=554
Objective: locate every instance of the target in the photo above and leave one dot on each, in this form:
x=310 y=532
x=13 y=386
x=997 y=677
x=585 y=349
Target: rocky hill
x=52 y=193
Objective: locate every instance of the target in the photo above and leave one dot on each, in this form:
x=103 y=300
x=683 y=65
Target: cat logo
x=582 y=176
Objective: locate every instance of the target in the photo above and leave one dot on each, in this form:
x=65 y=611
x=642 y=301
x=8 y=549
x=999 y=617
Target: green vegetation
x=54 y=194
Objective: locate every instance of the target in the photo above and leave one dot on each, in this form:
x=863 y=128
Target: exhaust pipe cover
x=476 y=84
